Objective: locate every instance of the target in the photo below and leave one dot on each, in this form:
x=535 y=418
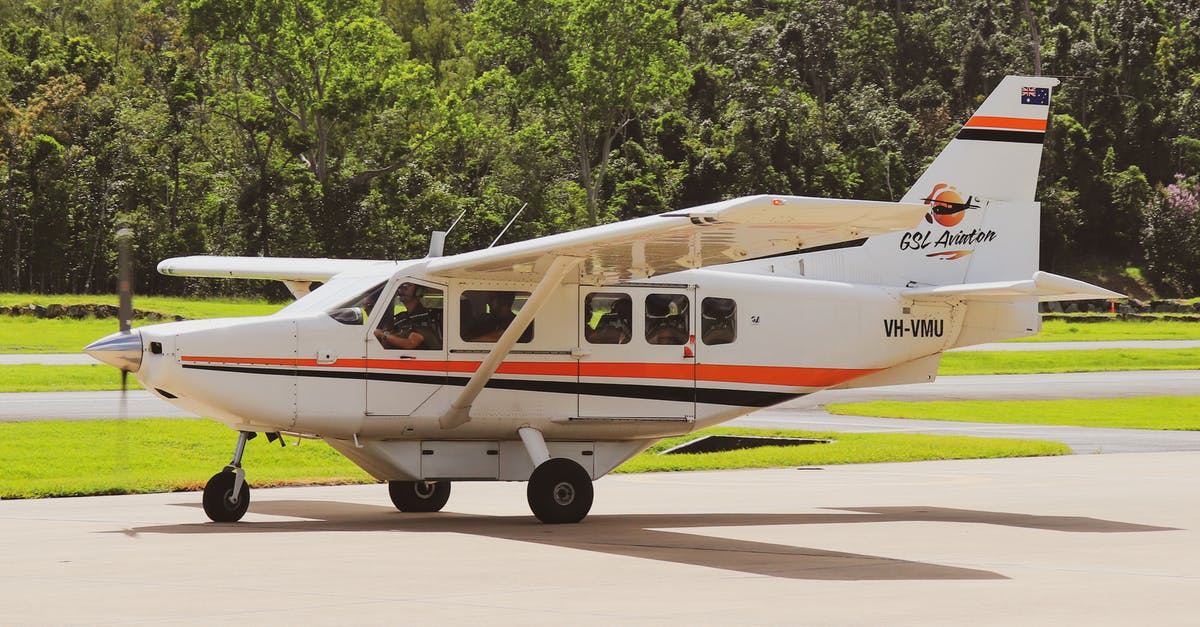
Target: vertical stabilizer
x=983 y=222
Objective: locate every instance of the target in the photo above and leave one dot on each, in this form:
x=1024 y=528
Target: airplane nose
x=123 y=350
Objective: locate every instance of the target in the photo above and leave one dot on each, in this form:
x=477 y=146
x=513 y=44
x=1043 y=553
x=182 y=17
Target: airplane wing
x=733 y=230
x=296 y=269
x=1044 y=286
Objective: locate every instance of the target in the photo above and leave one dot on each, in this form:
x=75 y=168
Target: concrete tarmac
x=26 y=406
x=1077 y=540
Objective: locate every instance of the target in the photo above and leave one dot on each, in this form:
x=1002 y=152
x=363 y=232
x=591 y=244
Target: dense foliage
x=349 y=128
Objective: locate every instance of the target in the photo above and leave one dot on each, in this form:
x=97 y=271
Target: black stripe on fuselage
x=712 y=396
x=996 y=135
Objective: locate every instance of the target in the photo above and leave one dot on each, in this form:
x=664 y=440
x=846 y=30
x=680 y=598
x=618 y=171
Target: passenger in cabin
x=492 y=324
x=415 y=327
x=615 y=326
x=718 y=321
x=666 y=319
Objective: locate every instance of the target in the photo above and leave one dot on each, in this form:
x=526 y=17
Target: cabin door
x=406 y=348
x=637 y=353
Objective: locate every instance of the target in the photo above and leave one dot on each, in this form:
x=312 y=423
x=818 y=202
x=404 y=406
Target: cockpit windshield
x=358 y=308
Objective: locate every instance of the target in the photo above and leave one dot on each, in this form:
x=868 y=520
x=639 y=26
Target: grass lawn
x=44 y=459
x=1063 y=331
x=1106 y=360
x=846 y=448
x=27 y=334
x=37 y=378
x=191 y=308
x=1178 y=413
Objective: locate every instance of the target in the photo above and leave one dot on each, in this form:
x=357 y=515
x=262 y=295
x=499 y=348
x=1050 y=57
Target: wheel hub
x=564 y=493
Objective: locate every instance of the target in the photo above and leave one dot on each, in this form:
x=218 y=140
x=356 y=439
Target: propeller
x=122 y=349
x=124 y=301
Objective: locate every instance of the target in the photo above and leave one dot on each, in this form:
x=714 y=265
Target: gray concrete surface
x=69 y=359
x=47 y=359
x=1081 y=346
x=15 y=407
x=1078 y=540
x=1082 y=440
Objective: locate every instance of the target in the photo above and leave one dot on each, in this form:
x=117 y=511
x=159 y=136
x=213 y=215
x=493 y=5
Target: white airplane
x=555 y=359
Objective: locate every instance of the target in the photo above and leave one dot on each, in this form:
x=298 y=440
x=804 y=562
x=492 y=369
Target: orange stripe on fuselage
x=1011 y=124
x=780 y=375
x=791 y=376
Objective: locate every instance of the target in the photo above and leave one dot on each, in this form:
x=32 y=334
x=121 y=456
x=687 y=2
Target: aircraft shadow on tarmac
x=647 y=536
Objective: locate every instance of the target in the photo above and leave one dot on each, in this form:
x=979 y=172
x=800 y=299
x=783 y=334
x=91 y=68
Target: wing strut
x=460 y=410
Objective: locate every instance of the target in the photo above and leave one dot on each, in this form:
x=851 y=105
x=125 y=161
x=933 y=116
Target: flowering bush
x=1171 y=237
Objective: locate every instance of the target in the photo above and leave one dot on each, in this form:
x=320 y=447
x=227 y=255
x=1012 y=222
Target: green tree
x=593 y=67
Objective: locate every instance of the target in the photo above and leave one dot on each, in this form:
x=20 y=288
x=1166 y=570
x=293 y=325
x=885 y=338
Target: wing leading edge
x=733 y=230
x=273 y=268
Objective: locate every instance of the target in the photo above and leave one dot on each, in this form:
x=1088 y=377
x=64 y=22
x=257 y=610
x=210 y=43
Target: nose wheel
x=224 y=501
x=419 y=496
x=226 y=495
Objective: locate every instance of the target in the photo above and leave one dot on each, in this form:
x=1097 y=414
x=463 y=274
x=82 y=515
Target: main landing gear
x=559 y=490
x=226 y=495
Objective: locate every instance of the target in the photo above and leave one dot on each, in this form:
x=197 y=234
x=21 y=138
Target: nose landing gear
x=226 y=495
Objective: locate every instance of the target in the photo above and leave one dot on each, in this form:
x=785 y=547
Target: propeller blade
x=124 y=283
x=124 y=410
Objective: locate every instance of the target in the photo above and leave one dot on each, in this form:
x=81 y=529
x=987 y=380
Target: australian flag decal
x=1035 y=95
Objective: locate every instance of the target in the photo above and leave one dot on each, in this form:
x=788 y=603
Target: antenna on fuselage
x=437 y=239
x=510 y=223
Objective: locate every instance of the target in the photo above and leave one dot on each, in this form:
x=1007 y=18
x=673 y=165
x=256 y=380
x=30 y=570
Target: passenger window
x=718 y=320
x=607 y=318
x=484 y=315
x=667 y=319
x=356 y=310
x=413 y=319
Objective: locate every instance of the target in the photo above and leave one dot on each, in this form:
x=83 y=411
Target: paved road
x=804 y=413
x=81 y=359
x=808 y=414
x=25 y=406
x=1081 y=346
x=1080 y=540
x=47 y=359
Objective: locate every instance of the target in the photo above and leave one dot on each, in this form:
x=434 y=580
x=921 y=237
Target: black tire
x=419 y=496
x=560 y=491
x=218 y=494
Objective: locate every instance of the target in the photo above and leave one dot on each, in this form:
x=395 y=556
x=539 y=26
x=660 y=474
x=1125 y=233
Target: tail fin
x=983 y=222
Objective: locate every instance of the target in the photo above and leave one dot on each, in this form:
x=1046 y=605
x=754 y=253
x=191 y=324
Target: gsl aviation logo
x=946 y=206
x=946 y=209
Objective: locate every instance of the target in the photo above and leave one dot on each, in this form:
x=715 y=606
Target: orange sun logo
x=947 y=207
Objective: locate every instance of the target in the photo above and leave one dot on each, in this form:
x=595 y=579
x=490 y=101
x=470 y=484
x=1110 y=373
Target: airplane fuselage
x=737 y=342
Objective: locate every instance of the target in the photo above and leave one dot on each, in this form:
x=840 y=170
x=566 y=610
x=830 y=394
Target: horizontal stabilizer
x=1044 y=286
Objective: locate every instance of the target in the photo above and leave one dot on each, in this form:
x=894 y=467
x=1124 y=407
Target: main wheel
x=559 y=491
x=419 y=496
x=219 y=503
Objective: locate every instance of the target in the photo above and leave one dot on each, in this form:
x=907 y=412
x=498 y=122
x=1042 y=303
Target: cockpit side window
x=412 y=319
